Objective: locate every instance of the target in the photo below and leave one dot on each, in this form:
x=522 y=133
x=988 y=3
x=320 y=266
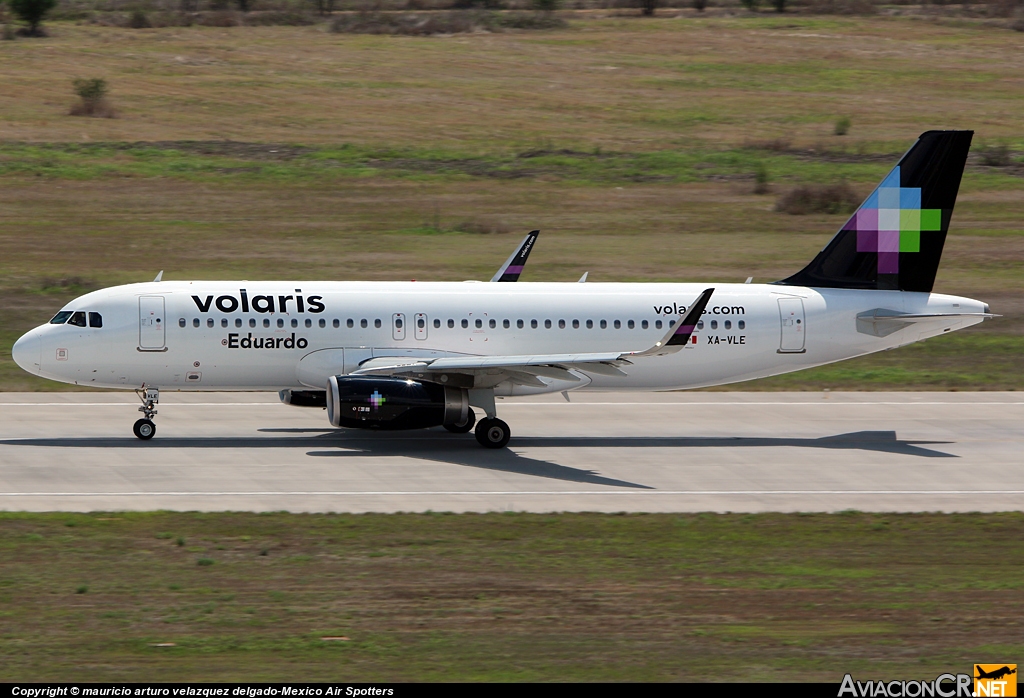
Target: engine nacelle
x=303 y=398
x=368 y=402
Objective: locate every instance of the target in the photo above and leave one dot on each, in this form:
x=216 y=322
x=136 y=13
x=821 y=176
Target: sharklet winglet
x=679 y=334
x=513 y=266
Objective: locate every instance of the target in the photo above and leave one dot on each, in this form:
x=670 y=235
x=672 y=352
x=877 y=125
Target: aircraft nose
x=27 y=352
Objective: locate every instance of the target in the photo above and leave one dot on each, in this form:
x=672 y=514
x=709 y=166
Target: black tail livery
x=894 y=240
x=513 y=266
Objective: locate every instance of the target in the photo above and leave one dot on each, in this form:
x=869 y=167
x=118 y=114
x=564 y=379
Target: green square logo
x=931 y=219
x=910 y=220
x=910 y=241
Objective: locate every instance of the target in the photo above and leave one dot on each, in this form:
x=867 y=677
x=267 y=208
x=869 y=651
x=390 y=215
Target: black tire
x=492 y=433
x=144 y=429
x=465 y=428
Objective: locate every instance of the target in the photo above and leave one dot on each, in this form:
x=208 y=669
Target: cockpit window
x=95 y=320
x=77 y=318
x=61 y=317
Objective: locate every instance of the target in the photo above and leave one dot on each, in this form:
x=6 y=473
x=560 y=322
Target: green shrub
x=139 y=20
x=829 y=198
x=204 y=562
x=761 y=179
x=842 y=126
x=32 y=12
x=92 y=93
x=995 y=155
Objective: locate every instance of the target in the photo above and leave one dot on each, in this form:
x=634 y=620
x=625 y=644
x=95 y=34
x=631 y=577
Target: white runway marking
x=457 y=493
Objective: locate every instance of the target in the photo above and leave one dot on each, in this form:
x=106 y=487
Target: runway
x=638 y=452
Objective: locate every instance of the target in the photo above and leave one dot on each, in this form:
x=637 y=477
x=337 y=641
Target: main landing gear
x=491 y=432
x=145 y=428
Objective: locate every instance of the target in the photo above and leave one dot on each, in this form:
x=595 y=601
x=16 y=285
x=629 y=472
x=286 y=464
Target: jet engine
x=303 y=398
x=368 y=402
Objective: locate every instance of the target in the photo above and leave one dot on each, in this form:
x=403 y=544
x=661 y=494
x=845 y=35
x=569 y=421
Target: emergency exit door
x=151 y=323
x=794 y=327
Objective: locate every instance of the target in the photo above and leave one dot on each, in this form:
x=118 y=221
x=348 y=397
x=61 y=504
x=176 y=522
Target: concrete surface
x=663 y=452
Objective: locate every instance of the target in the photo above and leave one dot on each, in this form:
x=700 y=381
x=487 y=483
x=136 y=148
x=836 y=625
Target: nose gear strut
x=145 y=428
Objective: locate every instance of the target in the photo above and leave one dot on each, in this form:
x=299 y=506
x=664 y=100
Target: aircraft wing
x=513 y=266
x=526 y=368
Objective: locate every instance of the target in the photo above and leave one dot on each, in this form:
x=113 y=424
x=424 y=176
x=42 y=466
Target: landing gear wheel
x=144 y=429
x=492 y=433
x=464 y=428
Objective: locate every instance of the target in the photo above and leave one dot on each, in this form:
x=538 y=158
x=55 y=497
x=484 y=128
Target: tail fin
x=894 y=240
x=513 y=266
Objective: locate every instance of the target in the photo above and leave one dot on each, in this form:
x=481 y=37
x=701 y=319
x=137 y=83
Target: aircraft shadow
x=463 y=450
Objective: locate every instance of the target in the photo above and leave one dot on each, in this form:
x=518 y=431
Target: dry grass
x=505 y=597
x=630 y=85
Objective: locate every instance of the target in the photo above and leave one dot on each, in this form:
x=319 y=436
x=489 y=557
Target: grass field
x=506 y=596
x=290 y=152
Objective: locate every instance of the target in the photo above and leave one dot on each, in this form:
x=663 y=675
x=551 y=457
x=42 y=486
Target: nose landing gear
x=145 y=428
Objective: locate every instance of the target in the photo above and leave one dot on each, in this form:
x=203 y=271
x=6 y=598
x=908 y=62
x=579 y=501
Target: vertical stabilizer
x=894 y=240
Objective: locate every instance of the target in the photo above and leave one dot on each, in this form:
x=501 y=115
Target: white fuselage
x=202 y=335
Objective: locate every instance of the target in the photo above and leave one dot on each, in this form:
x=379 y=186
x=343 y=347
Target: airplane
x=995 y=674
x=407 y=355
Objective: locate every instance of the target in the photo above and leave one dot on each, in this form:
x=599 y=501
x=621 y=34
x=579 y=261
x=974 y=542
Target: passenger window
x=643 y=325
x=451 y=323
x=479 y=323
x=362 y=323
x=533 y=324
x=492 y=324
x=295 y=322
x=350 y=323
x=700 y=324
x=195 y=322
x=223 y=322
x=181 y=321
x=62 y=317
x=506 y=324
x=421 y=323
x=547 y=324
x=209 y=322
x=376 y=323
x=575 y=324
x=398 y=323
x=590 y=324
x=266 y=322
x=323 y=323
x=519 y=324
x=671 y=323
x=238 y=322
x=95 y=320
x=252 y=322
x=336 y=323
x=657 y=324
x=742 y=325
x=630 y=325
x=618 y=325
x=437 y=324
x=604 y=324
x=561 y=324
x=728 y=324
x=714 y=324
x=309 y=323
